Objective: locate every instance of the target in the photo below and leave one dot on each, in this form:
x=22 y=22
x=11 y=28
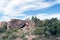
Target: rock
x=16 y=23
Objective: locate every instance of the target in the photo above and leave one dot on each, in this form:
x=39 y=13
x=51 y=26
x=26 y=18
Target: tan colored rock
x=16 y=23
x=0 y=24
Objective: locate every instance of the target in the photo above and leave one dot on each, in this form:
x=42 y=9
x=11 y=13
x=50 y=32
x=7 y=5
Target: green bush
x=3 y=29
x=9 y=35
x=23 y=36
x=38 y=31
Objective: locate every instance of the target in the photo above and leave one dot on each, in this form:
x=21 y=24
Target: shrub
x=3 y=28
x=38 y=31
x=23 y=36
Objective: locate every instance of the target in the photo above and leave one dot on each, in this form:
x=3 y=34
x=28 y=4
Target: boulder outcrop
x=16 y=23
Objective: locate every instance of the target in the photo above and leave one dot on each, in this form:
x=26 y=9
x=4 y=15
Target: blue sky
x=23 y=9
x=49 y=10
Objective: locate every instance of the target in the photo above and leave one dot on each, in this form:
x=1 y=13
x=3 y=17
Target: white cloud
x=44 y=16
x=48 y=16
x=58 y=1
x=6 y=18
x=8 y=6
x=12 y=8
x=27 y=17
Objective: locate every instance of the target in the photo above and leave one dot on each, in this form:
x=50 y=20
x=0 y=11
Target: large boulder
x=16 y=23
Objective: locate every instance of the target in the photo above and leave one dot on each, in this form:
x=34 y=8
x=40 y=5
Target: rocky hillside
x=16 y=23
x=24 y=28
x=34 y=29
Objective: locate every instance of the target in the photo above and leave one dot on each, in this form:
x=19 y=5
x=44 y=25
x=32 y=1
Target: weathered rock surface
x=16 y=23
x=27 y=25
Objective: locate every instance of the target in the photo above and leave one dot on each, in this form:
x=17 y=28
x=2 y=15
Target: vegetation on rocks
x=35 y=29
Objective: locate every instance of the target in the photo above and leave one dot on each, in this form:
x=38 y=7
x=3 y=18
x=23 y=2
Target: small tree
x=37 y=21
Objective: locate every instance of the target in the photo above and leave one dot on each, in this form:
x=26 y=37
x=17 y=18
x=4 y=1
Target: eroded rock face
x=0 y=24
x=16 y=23
x=26 y=25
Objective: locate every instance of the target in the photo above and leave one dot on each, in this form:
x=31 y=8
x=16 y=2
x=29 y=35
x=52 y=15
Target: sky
x=23 y=9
